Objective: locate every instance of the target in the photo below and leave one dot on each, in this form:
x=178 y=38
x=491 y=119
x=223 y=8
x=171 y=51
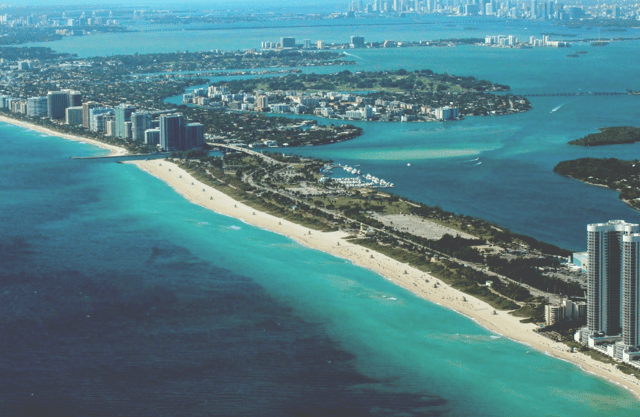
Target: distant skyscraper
x=287 y=42
x=357 y=41
x=534 y=9
x=604 y=279
x=171 y=132
x=123 y=114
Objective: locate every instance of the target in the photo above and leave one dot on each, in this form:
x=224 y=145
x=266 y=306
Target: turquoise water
x=113 y=283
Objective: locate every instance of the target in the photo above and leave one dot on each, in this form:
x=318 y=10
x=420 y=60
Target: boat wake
x=477 y=164
x=355 y=56
x=556 y=108
x=473 y=160
x=234 y=227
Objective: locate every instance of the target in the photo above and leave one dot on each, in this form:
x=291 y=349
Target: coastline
x=334 y=243
x=401 y=274
x=114 y=150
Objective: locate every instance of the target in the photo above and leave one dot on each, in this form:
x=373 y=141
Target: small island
x=623 y=176
x=610 y=136
x=401 y=95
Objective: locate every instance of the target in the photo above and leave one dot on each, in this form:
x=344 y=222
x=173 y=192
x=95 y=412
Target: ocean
x=121 y=298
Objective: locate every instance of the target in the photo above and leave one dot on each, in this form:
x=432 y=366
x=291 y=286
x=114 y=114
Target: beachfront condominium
x=37 y=107
x=630 y=293
x=123 y=114
x=193 y=135
x=140 y=122
x=172 y=132
x=86 y=117
x=58 y=101
x=609 y=273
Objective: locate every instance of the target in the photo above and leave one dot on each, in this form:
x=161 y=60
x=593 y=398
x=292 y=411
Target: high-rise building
x=152 y=137
x=57 y=102
x=86 y=118
x=100 y=121
x=357 y=41
x=37 y=107
x=534 y=9
x=172 y=132
x=193 y=135
x=140 y=121
x=287 y=42
x=127 y=131
x=93 y=113
x=630 y=290
x=73 y=115
x=604 y=278
x=262 y=102
x=75 y=98
x=123 y=114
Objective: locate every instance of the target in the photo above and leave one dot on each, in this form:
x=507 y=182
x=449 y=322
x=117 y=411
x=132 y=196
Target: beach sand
x=413 y=280
x=115 y=150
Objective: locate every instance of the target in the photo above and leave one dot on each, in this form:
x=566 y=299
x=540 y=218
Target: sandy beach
x=401 y=274
x=115 y=150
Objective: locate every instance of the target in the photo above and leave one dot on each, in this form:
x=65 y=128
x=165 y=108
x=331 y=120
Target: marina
x=359 y=181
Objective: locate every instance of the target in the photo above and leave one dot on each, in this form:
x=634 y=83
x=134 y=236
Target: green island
x=620 y=175
x=401 y=94
x=610 y=136
x=509 y=271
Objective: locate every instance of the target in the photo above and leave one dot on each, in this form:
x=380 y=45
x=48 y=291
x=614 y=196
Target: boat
x=408 y=165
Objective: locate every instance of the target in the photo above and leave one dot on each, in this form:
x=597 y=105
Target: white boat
x=408 y=165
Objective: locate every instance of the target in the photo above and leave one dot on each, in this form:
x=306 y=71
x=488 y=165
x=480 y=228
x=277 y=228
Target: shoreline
x=114 y=150
x=401 y=274
x=334 y=243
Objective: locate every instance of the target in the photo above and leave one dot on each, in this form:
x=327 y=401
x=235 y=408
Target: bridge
x=581 y=93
